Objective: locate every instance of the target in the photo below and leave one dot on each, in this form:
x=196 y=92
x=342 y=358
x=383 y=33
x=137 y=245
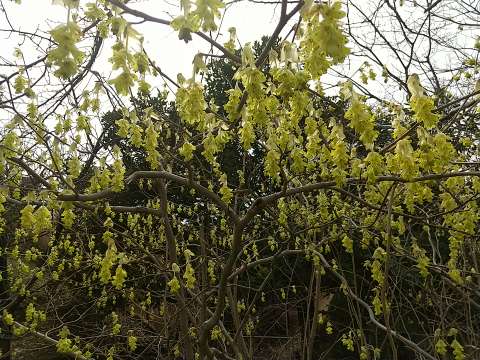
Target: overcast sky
x=161 y=42
x=252 y=21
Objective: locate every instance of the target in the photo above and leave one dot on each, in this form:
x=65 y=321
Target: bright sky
x=252 y=20
x=161 y=42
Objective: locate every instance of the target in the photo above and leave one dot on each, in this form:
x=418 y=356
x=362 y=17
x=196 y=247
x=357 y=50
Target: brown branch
x=246 y=267
x=268 y=199
x=154 y=19
x=185 y=182
x=371 y=314
x=389 y=147
x=222 y=289
x=30 y=171
x=384 y=286
x=76 y=355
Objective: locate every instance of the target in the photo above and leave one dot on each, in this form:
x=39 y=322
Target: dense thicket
x=283 y=202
